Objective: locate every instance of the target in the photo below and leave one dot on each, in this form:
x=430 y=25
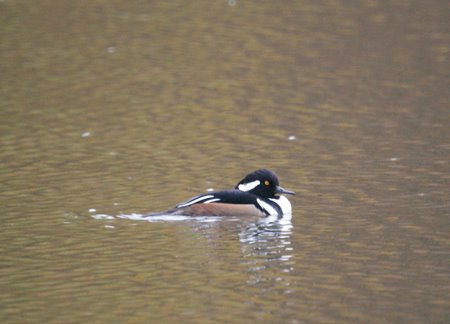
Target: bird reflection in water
x=266 y=244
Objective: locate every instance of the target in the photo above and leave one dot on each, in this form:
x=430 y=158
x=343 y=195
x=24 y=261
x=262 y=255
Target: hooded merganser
x=255 y=195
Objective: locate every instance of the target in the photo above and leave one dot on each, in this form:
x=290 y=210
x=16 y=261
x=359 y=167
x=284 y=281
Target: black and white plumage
x=258 y=194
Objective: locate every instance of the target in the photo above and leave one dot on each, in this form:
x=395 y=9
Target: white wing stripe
x=195 y=200
x=211 y=200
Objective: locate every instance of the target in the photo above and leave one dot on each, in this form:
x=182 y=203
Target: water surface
x=124 y=108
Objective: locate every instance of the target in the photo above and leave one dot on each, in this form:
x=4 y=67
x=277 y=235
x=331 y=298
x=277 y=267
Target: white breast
x=284 y=203
x=267 y=207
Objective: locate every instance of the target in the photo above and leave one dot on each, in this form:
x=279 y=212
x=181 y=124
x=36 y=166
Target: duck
x=258 y=194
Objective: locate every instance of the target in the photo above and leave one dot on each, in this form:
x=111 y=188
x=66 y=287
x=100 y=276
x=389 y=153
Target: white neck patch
x=284 y=203
x=249 y=186
x=269 y=209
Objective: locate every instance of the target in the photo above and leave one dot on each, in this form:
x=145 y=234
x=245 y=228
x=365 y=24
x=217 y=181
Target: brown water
x=122 y=107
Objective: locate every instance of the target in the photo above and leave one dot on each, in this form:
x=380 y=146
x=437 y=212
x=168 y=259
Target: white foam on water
x=169 y=218
x=102 y=216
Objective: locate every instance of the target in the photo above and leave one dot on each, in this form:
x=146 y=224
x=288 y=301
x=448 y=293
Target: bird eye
x=266 y=182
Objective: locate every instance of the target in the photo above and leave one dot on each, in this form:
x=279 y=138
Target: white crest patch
x=269 y=209
x=249 y=186
x=195 y=200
